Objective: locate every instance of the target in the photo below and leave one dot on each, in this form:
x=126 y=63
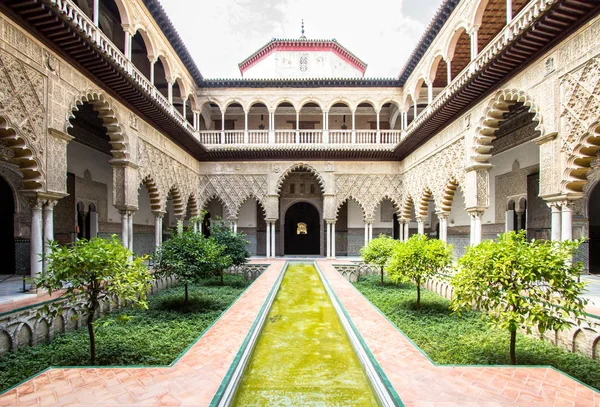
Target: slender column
x=235 y=226
x=508 y=11
x=271 y=128
x=130 y=227
x=124 y=228
x=519 y=221
x=184 y=108
x=268 y=252
x=273 y=240
x=474 y=43
x=152 y=71
x=223 y=127
x=406 y=230
x=405 y=120
x=328 y=253
x=555 y=221
x=449 y=71
x=366 y=234
x=378 y=134
x=246 y=127
x=180 y=226
x=475 y=227
x=566 y=221
x=400 y=230
x=297 y=136
x=158 y=216
x=421 y=225
x=509 y=220
x=48 y=227
x=443 y=218
x=429 y=93
x=354 y=126
x=370 y=232
x=195 y=120
x=127 y=45
x=96 y=12
x=170 y=91
x=333 y=240
x=36 y=242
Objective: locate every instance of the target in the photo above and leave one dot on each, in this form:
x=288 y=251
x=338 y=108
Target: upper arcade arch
x=494 y=115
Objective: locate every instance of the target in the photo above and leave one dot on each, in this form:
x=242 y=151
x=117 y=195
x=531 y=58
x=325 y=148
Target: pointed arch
x=493 y=116
x=214 y=196
x=357 y=201
x=107 y=113
x=250 y=196
x=192 y=205
x=178 y=202
x=300 y=166
x=24 y=155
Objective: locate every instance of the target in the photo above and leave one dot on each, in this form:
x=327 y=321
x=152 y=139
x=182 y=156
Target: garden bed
x=151 y=337
x=450 y=339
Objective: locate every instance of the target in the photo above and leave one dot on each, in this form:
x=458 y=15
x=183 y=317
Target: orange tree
x=521 y=284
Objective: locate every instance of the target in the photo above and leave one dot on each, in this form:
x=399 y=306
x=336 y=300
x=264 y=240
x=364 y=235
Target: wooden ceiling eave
x=557 y=23
x=299 y=154
x=77 y=47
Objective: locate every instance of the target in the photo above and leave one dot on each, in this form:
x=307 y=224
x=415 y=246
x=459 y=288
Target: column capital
x=158 y=214
x=50 y=204
x=475 y=213
x=474 y=28
x=369 y=220
x=443 y=214
x=421 y=218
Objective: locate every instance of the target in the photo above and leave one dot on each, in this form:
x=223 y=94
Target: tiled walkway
x=419 y=383
x=195 y=378
x=192 y=381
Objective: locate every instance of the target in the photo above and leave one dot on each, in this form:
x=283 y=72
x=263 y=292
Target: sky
x=219 y=34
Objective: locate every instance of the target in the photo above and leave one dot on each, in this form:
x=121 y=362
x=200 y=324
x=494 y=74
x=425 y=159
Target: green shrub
x=236 y=245
x=379 y=251
x=418 y=259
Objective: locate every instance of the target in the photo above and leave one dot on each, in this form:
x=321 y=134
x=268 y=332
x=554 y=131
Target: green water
x=303 y=356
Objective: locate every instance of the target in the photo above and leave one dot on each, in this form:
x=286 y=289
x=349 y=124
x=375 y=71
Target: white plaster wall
x=144 y=215
x=247 y=215
x=458 y=215
x=526 y=154
x=355 y=215
x=286 y=64
x=81 y=158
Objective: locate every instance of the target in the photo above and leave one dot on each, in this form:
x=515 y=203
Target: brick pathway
x=420 y=383
x=192 y=381
x=195 y=378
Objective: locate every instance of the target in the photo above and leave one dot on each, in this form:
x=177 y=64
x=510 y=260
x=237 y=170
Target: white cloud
x=220 y=34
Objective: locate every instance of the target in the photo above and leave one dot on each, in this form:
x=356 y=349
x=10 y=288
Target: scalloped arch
x=493 y=116
x=579 y=161
x=216 y=196
x=153 y=192
x=107 y=113
x=24 y=156
x=357 y=201
x=300 y=166
x=249 y=197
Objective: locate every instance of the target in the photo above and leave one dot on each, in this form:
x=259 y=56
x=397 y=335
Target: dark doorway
x=395 y=227
x=302 y=229
x=594 y=243
x=206 y=225
x=7 y=226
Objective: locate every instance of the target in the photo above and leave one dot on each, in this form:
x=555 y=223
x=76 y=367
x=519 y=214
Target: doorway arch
x=302 y=233
x=594 y=219
x=7 y=226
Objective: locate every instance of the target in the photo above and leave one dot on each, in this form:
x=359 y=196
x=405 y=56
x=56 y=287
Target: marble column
x=158 y=218
x=555 y=221
x=475 y=227
x=130 y=230
x=36 y=242
x=273 y=240
x=366 y=234
x=268 y=248
x=566 y=217
x=124 y=228
x=333 y=240
x=400 y=230
x=328 y=253
x=370 y=232
x=443 y=218
x=406 y=230
x=421 y=225
x=48 y=227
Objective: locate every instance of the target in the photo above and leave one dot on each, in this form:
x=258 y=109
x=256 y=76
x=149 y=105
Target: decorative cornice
x=302 y=83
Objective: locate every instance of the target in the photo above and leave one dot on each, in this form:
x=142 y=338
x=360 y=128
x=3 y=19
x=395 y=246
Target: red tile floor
x=194 y=379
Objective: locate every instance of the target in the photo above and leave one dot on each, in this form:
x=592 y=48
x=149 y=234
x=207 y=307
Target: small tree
x=93 y=270
x=236 y=246
x=379 y=251
x=190 y=257
x=520 y=284
x=418 y=259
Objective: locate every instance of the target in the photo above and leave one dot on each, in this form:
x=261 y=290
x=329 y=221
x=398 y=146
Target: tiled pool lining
x=384 y=391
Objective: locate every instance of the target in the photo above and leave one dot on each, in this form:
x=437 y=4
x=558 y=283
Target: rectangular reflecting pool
x=303 y=356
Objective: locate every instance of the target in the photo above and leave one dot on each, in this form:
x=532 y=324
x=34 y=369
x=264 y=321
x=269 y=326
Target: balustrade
x=258 y=137
x=340 y=136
